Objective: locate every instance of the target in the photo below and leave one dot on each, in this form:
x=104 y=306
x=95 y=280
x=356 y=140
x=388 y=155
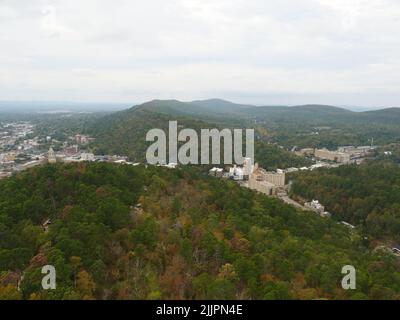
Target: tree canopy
x=124 y=232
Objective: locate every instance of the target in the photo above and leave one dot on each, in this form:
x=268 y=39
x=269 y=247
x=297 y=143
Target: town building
x=82 y=139
x=216 y=172
x=317 y=207
x=262 y=186
x=87 y=157
x=356 y=152
x=267 y=182
x=238 y=173
x=334 y=156
x=247 y=167
x=308 y=152
x=71 y=150
x=276 y=178
x=51 y=156
x=314 y=205
x=7 y=157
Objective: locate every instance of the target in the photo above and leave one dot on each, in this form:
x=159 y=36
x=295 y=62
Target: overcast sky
x=343 y=52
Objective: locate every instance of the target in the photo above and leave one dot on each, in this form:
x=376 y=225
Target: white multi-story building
x=336 y=156
x=262 y=186
x=87 y=156
x=248 y=167
x=277 y=178
x=238 y=173
x=267 y=182
x=51 y=156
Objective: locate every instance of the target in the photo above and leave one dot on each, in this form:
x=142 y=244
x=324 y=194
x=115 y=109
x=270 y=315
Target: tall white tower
x=247 y=166
x=51 y=156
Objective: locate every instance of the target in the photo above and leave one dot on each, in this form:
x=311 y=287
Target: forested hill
x=302 y=126
x=125 y=132
x=190 y=237
x=367 y=195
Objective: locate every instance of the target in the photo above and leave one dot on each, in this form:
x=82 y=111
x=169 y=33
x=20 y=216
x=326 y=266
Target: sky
x=340 y=52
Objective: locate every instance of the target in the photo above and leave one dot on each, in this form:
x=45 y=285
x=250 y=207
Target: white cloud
x=191 y=49
x=83 y=72
x=7 y=12
x=50 y=24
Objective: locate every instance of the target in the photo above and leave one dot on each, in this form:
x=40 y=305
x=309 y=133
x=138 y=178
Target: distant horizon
x=116 y=106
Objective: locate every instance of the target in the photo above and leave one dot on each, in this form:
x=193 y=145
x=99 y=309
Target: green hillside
x=301 y=126
x=193 y=237
x=125 y=132
x=367 y=195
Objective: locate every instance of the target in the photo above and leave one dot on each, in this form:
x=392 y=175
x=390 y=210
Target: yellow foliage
x=9 y=292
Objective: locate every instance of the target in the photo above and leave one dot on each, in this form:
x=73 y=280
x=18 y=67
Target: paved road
x=292 y=202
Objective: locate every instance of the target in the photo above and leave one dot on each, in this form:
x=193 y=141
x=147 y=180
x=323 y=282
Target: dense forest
x=129 y=128
x=301 y=126
x=124 y=232
x=327 y=126
x=367 y=195
x=124 y=133
x=62 y=126
x=272 y=157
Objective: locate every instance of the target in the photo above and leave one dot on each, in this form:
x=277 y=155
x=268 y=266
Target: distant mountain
x=304 y=112
x=168 y=107
x=389 y=115
x=124 y=131
x=209 y=110
x=326 y=109
x=222 y=109
x=219 y=105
